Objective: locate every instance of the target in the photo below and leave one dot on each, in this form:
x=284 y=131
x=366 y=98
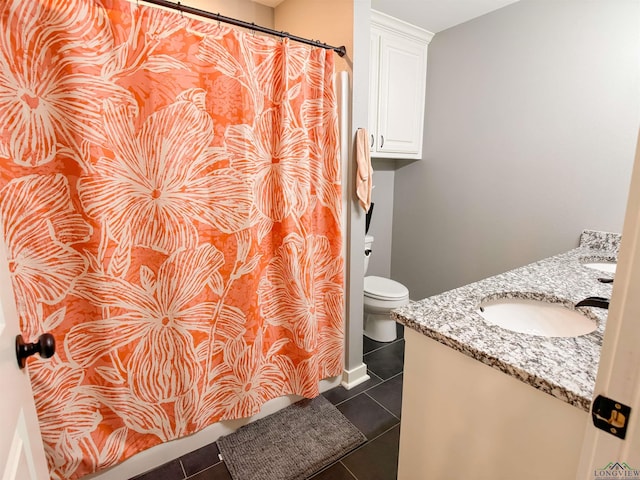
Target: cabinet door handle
x=381 y=141
x=372 y=140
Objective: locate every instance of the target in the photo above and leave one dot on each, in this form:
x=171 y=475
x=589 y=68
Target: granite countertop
x=564 y=367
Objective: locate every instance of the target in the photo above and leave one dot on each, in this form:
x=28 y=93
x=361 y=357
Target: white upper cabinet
x=397 y=84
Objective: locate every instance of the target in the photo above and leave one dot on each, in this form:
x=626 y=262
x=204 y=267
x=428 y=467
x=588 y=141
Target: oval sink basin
x=609 y=267
x=536 y=317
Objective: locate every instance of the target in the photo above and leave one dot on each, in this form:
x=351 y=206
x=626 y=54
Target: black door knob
x=45 y=346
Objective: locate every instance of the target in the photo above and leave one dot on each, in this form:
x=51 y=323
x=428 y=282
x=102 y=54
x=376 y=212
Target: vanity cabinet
x=397 y=84
x=464 y=419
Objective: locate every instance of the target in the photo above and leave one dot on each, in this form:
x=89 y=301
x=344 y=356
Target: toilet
x=381 y=295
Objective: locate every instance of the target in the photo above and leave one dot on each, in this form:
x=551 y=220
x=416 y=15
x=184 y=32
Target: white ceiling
x=432 y=15
x=437 y=15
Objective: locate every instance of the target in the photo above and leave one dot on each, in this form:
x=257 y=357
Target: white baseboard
x=354 y=377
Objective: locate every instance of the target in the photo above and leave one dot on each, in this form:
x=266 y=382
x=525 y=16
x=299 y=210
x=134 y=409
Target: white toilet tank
x=368 y=241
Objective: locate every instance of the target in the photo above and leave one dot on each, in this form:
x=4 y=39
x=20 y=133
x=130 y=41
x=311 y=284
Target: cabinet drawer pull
x=381 y=141
x=372 y=140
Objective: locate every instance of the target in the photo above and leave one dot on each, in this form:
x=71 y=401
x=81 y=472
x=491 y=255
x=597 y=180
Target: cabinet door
x=401 y=93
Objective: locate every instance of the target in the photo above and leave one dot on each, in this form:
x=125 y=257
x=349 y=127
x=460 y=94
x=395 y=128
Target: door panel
x=619 y=369
x=21 y=450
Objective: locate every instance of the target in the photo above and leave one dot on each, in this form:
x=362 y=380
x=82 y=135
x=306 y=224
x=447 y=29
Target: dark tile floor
x=374 y=407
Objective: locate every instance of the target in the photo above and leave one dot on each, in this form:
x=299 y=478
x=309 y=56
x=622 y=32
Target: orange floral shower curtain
x=170 y=200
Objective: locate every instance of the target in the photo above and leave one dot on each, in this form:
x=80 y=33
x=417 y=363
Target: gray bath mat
x=291 y=444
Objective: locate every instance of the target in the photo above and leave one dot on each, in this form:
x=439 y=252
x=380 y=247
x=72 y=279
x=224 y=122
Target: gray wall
x=531 y=120
x=382 y=219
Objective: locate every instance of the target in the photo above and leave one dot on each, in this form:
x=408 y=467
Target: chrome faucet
x=599 y=302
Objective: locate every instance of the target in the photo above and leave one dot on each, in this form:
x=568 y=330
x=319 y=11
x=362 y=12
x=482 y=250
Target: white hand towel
x=364 y=174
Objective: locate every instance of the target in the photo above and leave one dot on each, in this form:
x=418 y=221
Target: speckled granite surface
x=564 y=367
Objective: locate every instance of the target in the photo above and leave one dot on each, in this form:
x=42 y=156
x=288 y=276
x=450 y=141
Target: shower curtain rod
x=342 y=51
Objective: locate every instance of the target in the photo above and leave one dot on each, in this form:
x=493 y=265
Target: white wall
x=531 y=120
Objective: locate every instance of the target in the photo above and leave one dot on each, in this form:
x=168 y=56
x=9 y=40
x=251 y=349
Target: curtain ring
x=180 y=10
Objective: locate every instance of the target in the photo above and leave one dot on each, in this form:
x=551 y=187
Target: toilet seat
x=380 y=288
